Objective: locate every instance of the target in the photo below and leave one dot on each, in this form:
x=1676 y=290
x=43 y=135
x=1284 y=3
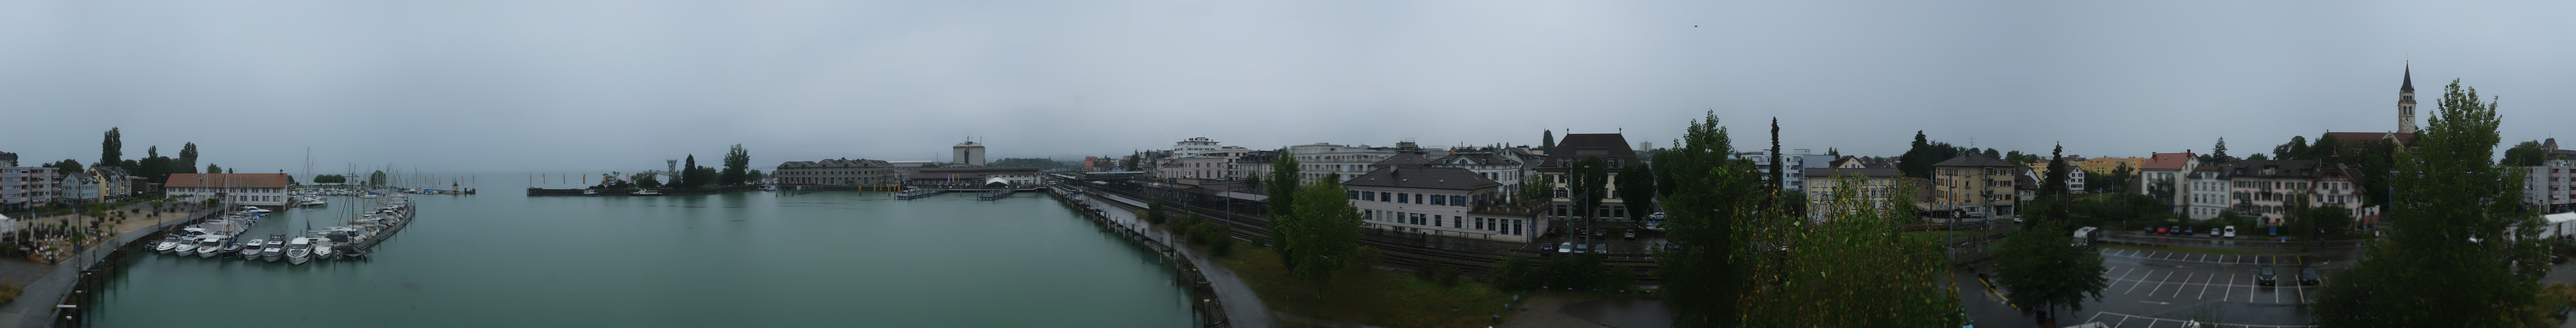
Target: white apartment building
x=2550 y=187
x=1194 y=147
x=1316 y=161
x=1443 y=201
x=2208 y=192
x=254 y=189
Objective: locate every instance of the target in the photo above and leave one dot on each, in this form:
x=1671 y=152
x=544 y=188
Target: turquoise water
x=744 y=259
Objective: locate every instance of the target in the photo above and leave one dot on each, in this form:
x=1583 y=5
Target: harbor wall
x=1210 y=311
x=623 y=192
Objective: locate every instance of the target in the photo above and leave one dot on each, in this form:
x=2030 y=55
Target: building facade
x=1796 y=163
x=952 y=177
x=1193 y=147
x=1975 y=186
x=837 y=172
x=1316 y=161
x=2545 y=188
x=2164 y=176
x=1443 y=201
x=254 y=189
x=969 y=153
x=24 y=187
x=1612 y=148
x=1877 y=188
x=2209 y=193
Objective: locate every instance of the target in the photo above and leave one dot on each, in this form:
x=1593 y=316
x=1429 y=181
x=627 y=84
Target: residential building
x=78 y=188
x=253 y=189
x=1194 y=167
x=838 y=172
x=1877 y=187
x=1612 y=148
x=1508 y=166
x=1252 y=164
x=2104 y=165
x=1316 y=161
x=1796 y=163
x=2074 y=178
x=2025 y=187
x=1193 y=146
x=1975 y=186
x=22 y=187
x=969 y=153
x=2162 y=177
x=2546 y=188
x=1444 y=201
x=114 y=182
x=2268 y=189
x=2208 y=192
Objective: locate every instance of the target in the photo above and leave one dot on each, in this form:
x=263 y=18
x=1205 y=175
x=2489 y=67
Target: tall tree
x=373 y=179
x=1286 y=179
x=2218 y=153
x=2328 y=149
x=1637 y=190
x=1589 y=179
x=2297 y=148
x=736 y=163
x=1547 y=140
x=2458 y=252
x=1854 y=269
x=2526 y=153
x=1702 y=277
x=67 y=166
x=2042 y=269
x=188 y=157
x=1779 y=174
x=682 y=179
x=1325 y=233
x=111 y=151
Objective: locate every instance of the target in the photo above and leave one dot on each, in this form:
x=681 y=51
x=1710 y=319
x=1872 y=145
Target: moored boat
x=299 y=250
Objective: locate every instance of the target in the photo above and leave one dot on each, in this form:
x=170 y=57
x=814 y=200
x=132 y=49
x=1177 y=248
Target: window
x=1435 y=220
x=1368 y=196
x=1455 y=200
x=1438 y=200
x=1354 y=195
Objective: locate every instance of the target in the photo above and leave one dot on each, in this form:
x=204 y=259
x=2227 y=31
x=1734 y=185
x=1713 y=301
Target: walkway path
x=1241 y=304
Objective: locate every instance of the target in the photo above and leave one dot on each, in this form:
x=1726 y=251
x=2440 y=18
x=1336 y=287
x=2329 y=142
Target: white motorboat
x=230 y=249
x=187 y=247
x=275 y=249
x=250 y=250
x=589 y=192
x=646 y=192
x=169 y=243
x=299 y=250
x=322 y=250
x=209 y=246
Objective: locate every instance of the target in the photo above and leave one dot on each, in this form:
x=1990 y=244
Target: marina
x=738 y=259
x=225 y=237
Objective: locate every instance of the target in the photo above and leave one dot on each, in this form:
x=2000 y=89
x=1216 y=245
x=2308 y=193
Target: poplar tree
x=112 y=150
x=1281 y=206
x=1702 y=277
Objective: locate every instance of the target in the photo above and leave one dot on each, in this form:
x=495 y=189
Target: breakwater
x=1210 y=311
x=626 y=192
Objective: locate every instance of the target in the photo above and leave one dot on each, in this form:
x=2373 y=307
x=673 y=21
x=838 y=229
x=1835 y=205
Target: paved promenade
x=1241 y=304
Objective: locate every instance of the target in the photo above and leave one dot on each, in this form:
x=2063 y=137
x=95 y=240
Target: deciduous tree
x=2458 y=252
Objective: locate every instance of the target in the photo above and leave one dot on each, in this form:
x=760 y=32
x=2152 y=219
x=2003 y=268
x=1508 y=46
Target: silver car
x=1565 y=247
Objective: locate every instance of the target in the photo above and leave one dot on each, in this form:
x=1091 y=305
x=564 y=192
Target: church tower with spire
x=2406 y=102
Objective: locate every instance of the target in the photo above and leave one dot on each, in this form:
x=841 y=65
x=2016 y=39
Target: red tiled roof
x=2166 y=161
x=226 y=180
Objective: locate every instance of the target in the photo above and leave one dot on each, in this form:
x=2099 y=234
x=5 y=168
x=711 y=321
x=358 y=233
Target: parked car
x=2178 y=230
x=1582 y=248
x=1630 y=235
x=2231 y=232
x=2213 y=232
x=1600 y=248
x=1546 y=247
x=2308 y=277
x=2156 y=230
x=1565 y=247
x=2264 y=277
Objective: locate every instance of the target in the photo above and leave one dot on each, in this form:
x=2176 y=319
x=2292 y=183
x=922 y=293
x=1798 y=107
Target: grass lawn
x=1368 y=296
x=2200 y=250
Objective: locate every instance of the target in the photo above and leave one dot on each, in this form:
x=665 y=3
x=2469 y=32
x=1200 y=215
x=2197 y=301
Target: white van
x=2084 y=236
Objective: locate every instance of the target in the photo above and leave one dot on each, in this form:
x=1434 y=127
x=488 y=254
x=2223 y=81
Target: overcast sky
x=523 y=86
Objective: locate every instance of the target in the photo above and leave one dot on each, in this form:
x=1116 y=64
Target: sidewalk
x=1241 y=304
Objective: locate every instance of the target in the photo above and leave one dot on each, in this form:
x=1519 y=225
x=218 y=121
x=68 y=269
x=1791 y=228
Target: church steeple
x=2406 y=101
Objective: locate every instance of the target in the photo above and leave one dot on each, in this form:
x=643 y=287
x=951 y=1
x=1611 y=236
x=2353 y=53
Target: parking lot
x=2166 y=289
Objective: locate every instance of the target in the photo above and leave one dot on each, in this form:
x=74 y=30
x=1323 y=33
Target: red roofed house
x=253 y=189
x=2162 y=177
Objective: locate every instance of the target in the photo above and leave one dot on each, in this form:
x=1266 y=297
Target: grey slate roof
x=1423 y=177
x=1973 y=159
x=1402 y=159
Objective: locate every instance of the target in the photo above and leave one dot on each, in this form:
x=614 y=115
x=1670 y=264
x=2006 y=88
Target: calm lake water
x=744 y=259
